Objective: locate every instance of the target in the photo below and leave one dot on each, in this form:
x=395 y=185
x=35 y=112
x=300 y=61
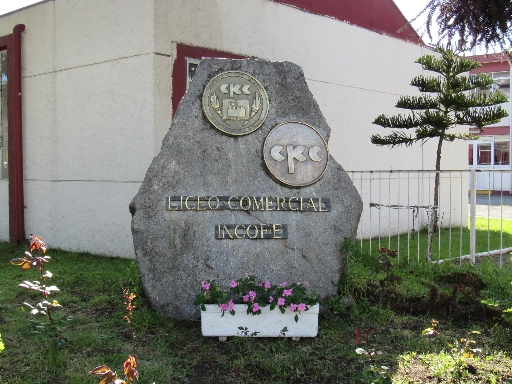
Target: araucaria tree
x=448 y=99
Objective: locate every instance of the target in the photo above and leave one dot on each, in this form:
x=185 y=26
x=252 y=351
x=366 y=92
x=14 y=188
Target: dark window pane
x=502 y=153
x=484 y=154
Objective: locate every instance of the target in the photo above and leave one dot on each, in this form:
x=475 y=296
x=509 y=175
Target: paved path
x=495 y=206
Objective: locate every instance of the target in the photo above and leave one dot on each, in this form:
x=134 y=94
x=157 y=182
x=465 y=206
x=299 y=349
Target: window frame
x=12 y=44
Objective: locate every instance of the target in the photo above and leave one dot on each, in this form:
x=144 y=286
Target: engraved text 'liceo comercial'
x=248 y=203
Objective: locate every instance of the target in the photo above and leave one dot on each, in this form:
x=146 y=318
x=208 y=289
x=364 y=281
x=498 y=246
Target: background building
x=491 y=152
x=99 y=81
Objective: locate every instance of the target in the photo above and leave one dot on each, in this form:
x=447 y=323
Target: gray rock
x=176 y=250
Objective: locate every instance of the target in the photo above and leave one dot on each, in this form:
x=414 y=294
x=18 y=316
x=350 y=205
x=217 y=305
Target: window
x=489 y=153
x=502 y=153
x=501 y=83
x=191 y=69
x=3 y=114
x=484 y=154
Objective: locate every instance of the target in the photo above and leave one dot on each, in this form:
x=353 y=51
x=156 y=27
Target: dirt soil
x=456 y=296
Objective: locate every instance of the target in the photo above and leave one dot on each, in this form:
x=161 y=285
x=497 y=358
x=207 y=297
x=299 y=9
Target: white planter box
x=267 y=324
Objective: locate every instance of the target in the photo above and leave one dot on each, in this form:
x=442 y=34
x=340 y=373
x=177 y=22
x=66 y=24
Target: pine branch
x=449 y=137
x=448 y=63
x=467 y=136
x=481 y=117
x=462 y=102
x=479 y=80
x=417 y=102
x=397 y=121
x=427 y=84
x=435 y=119
x=394 y=139
x=423 y=133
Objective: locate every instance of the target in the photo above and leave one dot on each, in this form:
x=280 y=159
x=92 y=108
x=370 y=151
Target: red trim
x=498 y=192
x=376 y=15
x=179 y=70
x=488 y=58
x=490 y=63
x=15 y=145
x=504 y=130
x=492 y=67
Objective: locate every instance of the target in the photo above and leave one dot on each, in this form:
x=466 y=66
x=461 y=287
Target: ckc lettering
x=295 y=153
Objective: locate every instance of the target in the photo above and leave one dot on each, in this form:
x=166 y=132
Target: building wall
x=88 y=118
x=355 y=74
x=97 y=98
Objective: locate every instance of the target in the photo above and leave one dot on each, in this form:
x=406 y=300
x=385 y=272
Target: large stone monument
x=243 y=183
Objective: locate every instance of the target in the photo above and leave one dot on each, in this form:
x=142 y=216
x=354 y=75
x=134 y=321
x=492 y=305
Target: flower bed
x=267 y=324
x=254 y=297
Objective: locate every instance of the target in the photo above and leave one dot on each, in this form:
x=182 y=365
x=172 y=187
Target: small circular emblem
x=296 y=154
x=235 y=103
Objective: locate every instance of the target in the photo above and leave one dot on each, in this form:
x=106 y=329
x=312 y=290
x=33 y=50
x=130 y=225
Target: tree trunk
x=435 y=207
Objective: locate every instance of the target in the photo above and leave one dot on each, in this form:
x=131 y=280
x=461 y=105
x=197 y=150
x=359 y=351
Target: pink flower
x=223 y=307
x=301 y=307
x=268 y=285
x=231 y=305
x=287 y=292
x=283 y=284
x=270 y=299
x=233 y=284
x=252 y=295
x=293 y=307
x=206 y=286
x=246 y=298
x=255 y=307
x=280 y=301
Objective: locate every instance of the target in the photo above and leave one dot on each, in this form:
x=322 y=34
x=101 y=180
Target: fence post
x=472 y=216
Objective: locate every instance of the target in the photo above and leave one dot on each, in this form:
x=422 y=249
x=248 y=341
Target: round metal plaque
x=235 y=103
x=296 y=154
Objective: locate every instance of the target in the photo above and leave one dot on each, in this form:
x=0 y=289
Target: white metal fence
x=397 y=207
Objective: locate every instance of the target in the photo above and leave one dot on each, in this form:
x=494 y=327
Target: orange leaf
x=130 y=368
x=107 y=376
x=101 y=370
x=23 y=263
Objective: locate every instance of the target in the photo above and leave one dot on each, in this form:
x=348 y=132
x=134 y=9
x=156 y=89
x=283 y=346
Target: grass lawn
x=491 y=234
x=170 y=351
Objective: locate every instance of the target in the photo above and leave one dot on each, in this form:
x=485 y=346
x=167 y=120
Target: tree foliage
x=448 y=99
x=444 y=104
x=471 y=22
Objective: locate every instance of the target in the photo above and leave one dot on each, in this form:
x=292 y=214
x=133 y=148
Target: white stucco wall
x=355 y=74
x=97 y=93
x=88 y=119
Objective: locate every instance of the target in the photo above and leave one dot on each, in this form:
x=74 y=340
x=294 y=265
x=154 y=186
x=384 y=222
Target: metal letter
x=275 y=153
x=236 y=231
x=294 y=153
x=313 y=153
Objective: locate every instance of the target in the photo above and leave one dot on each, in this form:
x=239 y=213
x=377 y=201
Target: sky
x=409 y=8
x=11 y=5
